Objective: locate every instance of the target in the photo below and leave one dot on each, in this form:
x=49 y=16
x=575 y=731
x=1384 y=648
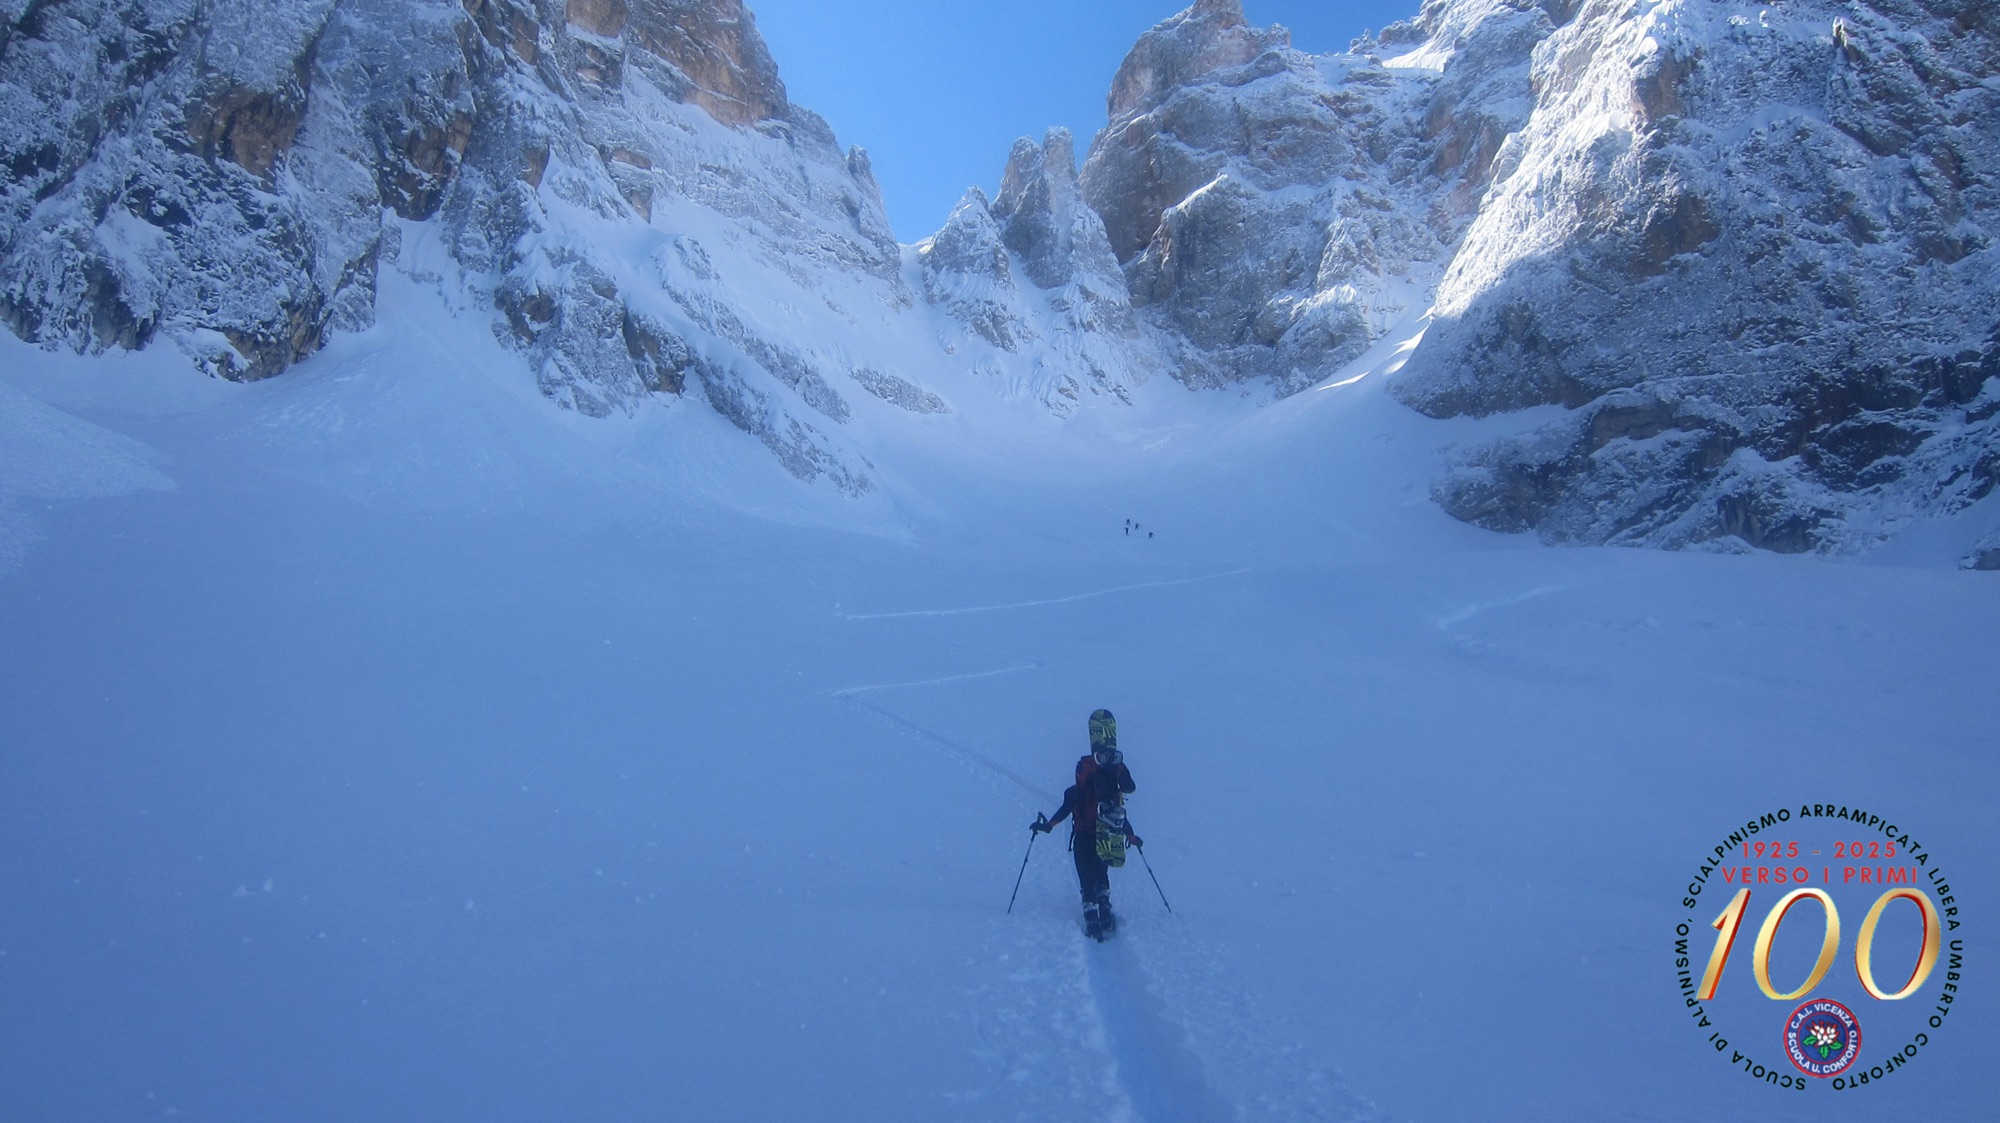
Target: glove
x=1040 y=825
x=1137 y=841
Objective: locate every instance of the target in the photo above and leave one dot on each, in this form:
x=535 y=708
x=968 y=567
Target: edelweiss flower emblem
x=1822 y=1037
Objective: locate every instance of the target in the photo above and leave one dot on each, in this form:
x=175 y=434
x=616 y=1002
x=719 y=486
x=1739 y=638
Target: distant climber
x=1095 y=806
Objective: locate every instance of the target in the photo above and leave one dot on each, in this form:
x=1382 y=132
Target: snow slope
x=385 y=742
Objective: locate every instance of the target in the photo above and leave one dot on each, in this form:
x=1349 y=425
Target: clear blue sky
x=937 y=90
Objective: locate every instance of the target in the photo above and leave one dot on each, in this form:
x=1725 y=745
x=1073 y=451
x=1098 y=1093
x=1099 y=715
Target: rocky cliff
x=1031 y=274
x=231 y=175
x=1748 y=248
x=1742 y=255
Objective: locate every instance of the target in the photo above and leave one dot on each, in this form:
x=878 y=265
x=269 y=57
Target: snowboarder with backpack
x=1099 y=832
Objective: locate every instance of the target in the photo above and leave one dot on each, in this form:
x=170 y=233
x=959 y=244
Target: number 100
x=1864 y=949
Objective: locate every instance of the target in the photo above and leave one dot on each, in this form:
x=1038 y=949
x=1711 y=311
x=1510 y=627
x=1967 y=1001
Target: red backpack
x=1087 y=794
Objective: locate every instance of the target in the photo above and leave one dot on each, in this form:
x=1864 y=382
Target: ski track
x=1039 y=603
x=1042 y=795
x=1147 y=1054
x=852 y=694
x=1150 y=1064
x=1154 y=1066
x=1447 y=623
x=850 y=691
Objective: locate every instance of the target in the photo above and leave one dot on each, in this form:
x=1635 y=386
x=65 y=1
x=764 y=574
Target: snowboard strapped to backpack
x=1111 y=834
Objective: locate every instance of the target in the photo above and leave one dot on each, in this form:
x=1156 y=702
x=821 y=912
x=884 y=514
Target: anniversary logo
x=1847 y=862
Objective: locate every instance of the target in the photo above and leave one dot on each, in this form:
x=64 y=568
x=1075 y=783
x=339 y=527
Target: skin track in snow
x=1163 y=1079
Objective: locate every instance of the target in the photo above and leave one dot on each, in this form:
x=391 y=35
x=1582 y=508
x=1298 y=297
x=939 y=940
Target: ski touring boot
x=1093 y=921
x=1106 y=921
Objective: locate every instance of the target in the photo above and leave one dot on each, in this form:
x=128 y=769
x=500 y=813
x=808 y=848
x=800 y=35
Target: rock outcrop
x=147 y=187
x=1750 y=249
x=232 y=174
x=1271 y=208
x=1032 y=274
x=968 y=272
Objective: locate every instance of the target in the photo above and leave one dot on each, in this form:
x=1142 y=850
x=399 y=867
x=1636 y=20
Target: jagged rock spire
x=1043 y=217
x=1207 y=37
x=966 y=272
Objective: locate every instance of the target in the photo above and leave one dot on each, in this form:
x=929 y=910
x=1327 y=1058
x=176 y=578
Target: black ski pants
x=1092 y=879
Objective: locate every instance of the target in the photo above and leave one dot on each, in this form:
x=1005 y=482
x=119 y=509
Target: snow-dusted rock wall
x=1032 y=274
x=1274 y=210
x=230 y=174
x=1751 y=248
x=1748 y=246
x=148 y=186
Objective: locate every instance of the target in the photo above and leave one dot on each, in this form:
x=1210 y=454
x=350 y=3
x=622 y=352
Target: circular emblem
x=1796 y=870
x=1822 y=1037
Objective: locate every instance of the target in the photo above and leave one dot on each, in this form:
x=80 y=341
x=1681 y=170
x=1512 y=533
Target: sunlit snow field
x=380 y=743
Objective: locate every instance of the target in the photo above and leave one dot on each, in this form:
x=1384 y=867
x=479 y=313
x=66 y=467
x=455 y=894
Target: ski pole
x=1149 y=873
x=1024 y=869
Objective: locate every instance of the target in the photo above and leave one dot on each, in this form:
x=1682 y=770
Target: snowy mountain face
x=1270 y=207
x=1252 y=213
x=233 y=175
x=1032 y=275
x=1750 y=249
x=1745 y=249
